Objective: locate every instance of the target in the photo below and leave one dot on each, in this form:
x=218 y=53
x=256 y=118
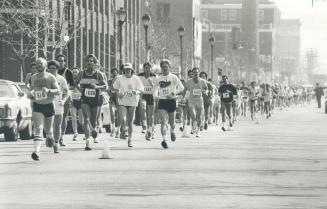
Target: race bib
x=76 y=94
x=164 y=91
x=147 y=89
x=40 y=95
x=225 y=95
x=197 y=92
x=128 y=94
x=90 y=92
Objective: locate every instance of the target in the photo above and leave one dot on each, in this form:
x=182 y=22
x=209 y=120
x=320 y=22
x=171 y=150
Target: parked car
x=15 y=112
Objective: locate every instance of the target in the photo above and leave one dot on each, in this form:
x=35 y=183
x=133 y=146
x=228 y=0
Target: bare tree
x=31 y=29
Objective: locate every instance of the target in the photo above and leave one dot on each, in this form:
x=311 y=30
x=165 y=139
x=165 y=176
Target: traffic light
x=235 y=37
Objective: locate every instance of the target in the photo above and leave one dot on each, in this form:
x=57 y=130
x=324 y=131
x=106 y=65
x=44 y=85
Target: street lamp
x=146 y=19
x=66 y=39
x=121 y=15
x=211 y=42
x=181 y=31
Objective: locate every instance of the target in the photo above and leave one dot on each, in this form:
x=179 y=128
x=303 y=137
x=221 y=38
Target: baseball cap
x=128 y=66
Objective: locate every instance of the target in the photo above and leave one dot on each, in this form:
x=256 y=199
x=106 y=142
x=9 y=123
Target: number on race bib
x=197 y=92
x=90 y=92
x=165 y=91
x=147 y=89
x=128 y=94
x=40 y=95
x=225 y=95
x=76 y=94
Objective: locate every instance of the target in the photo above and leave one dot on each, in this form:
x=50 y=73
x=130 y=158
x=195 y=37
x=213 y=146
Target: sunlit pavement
x=279 y=163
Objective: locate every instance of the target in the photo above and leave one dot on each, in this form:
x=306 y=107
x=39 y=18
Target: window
x=163 y=12
x=232 y=14
x=223 y=14
x=261 y=14
x=204 y=14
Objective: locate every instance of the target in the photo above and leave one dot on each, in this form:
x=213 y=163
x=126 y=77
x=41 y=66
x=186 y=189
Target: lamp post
x=181 y=31
x=66 y=39
x=121 y=15
x=146 y=19
x=211 y=42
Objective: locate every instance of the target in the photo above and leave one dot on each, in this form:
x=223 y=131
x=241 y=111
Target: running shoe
x=94 y=134
x=181 y=128
x=87 y=146
x=122 y=135
x=172 y=136
x=35 y=156
x=75 y=137
x=223 y=128
x=55 y=149
x=197 y=134
x=129 y=143
x=206 y=126
x=96 y=140
x=164 y=145
x=148 y=136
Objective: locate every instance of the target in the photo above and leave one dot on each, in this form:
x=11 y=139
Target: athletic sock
x=37 y=146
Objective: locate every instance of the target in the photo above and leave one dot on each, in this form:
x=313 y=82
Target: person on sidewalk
x=319 y=93
x=44 y=87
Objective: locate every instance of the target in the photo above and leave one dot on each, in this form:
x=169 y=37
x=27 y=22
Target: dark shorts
x=46 y=109
x=92 y=102
x=148 y=98
x=113 y=99
x=77 y=104
x=167 y=104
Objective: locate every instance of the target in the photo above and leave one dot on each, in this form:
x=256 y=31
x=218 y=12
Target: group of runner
x=56 y=90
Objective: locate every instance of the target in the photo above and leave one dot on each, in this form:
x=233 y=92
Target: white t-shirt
x=148 y=88
x=126 y=86
x=167 y=85
x=63 y=88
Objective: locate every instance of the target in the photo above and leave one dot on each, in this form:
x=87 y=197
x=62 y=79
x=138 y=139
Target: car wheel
x=10 y=134
x=26 y=133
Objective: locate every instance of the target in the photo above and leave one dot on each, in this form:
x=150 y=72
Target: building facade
x=83 y=27
x=219 y=17
x=164 y=40
x=288 y=50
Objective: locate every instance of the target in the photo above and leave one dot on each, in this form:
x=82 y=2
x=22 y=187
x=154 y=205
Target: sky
x=313 y=16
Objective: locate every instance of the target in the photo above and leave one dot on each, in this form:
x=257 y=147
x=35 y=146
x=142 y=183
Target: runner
x=169 y=87
x=196 y=88
x=113 y=104
x=267 y=96
x=91 y=83
x=226 y=92
x=68 y=75
x=129 y=88
x=245 y=98
x=59 y=101
x=207 y=100
x=147 y=101
x=216 y=105
x=99 y=125
x=253 y=97
x=43 y=88
x=76 y=109
x=29 y=75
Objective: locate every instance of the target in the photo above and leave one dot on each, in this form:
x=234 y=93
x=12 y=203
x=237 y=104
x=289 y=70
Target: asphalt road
x=279 y=163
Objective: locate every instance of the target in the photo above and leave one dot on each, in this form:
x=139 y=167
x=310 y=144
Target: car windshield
x=6 y=91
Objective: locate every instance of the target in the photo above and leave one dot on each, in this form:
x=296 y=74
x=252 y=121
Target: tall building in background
x=288 y=50
x=220 y=16
x=164 y=40
x=87 y=27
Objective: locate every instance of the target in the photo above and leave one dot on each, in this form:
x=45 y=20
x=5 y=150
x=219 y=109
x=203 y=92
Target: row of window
x=229 y=14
